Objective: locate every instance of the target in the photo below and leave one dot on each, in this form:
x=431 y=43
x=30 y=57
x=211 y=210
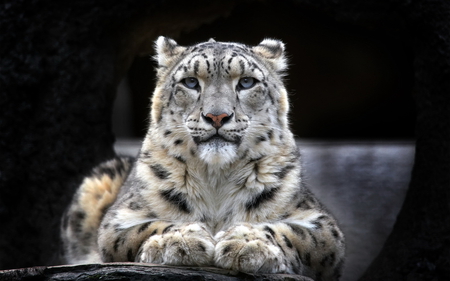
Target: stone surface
x=135 y=272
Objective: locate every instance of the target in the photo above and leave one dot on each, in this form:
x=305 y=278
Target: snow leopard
x=218 y=179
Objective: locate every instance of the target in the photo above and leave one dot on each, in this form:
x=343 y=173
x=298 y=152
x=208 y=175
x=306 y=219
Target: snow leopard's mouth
x=217 y=140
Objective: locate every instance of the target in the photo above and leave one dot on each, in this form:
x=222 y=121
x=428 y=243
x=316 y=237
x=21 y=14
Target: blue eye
x=190 y=82
x=246 y=82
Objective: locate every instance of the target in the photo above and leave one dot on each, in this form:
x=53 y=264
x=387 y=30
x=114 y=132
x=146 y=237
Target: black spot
x=153 y=233
x=181 y=159
x=152 y=215
x=76 y=221
x=307 y=259
x=284 y=171
x=105 y=170
x=130 y=255
x=335 y=233
x=270 y=134
x=201 y=246
x=160 y=172
x=197 y=141
x=256 y=159
x=144 y=227
x=256 y=168
x=242 y=66
x=260 y=139
x=297 y=258
x=196 y=65
x=119 y=240
x=204 y=218
x=177 y=199
x=269 y=94
x=134 y=206
x=226 y=250
x=296 y=267
x=270 y=230
x=304 y=204
x=237 y=140
x=284 y=216
x=178 y=142
x=166 y=133
x=263 y=197
x=87 y=236
x=328 y=260
x=317 y=224
x=297 y=230
x=244 y=155
x=167 y=229
x=117 y=227
x=287 y=241
x=281 y=248
x=79 y=215
x=107 y=256
x=314 y=239
x=160 y=116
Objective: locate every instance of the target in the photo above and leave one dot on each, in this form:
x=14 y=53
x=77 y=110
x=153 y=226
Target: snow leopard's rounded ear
x=167 y=50
x=273 y=52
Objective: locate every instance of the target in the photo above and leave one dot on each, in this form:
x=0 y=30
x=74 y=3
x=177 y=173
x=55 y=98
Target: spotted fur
x=218 y=178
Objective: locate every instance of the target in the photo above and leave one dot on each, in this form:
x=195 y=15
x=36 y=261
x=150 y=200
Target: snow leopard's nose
x=217 y=121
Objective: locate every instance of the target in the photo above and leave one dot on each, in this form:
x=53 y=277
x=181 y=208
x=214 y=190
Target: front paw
x=188 y=244
x=248 y=249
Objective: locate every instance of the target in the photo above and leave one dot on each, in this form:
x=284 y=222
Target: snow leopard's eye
x=191 y=82
x=246 y=83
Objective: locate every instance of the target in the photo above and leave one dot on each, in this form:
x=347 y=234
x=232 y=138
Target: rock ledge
x=137 y=271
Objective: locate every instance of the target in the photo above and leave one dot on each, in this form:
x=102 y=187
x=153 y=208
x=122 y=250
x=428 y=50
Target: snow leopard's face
x=226 y=98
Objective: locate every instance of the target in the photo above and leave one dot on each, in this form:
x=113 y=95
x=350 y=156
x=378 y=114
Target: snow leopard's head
x=221 y=99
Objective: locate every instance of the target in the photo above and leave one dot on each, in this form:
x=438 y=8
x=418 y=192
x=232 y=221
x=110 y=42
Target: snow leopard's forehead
x=216 y=59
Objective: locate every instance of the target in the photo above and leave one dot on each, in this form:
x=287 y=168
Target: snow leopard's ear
x=272 y=51
x=167 y=50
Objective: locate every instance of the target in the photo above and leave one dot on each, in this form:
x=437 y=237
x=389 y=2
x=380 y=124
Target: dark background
x=345 y=82
x=375 y=69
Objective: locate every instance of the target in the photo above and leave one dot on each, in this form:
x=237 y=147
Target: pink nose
x=216 y=121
